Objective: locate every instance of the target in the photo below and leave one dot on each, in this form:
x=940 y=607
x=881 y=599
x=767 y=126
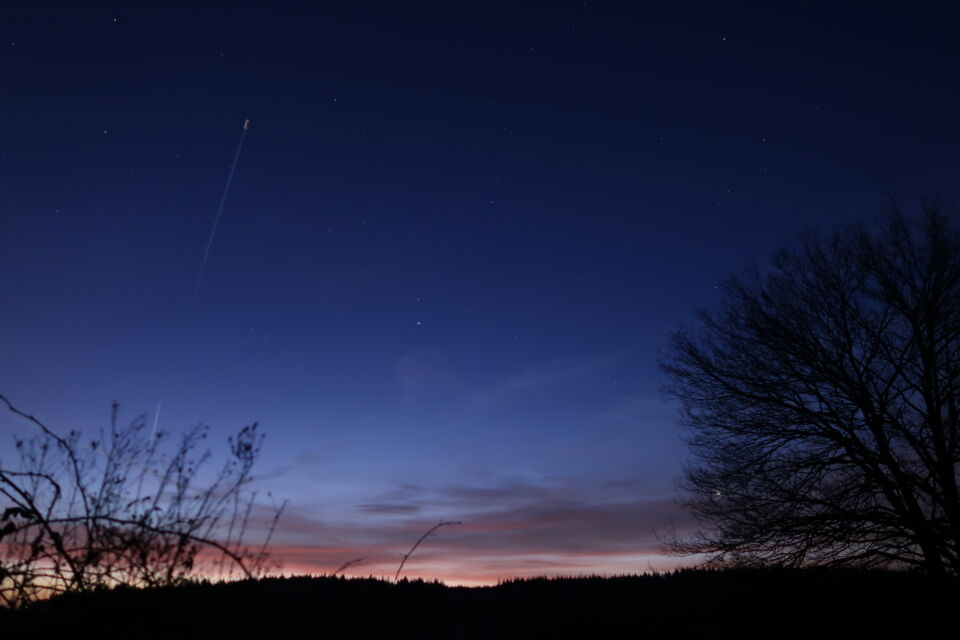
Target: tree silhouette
x=120 y=509
x=823 y=403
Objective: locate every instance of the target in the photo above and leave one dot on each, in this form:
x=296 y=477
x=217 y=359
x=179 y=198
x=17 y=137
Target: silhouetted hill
x=748 y=603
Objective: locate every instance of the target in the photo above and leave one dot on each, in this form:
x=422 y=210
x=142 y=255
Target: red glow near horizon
x=465 y=568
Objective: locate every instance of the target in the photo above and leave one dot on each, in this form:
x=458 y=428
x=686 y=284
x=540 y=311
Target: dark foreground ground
x=687 y=604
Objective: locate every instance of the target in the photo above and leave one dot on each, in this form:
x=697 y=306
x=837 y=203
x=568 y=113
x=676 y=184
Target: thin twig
x=417 y=544
x=346 y=565
x=74 y=463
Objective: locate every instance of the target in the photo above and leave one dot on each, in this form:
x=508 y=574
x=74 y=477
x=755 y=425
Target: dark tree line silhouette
x=685 y=604
x=823 y=403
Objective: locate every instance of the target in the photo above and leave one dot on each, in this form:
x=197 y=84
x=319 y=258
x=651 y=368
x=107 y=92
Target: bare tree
x=823 y=403
x=123 y=508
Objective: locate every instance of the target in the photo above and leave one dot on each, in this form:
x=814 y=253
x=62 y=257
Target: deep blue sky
x=457 y=236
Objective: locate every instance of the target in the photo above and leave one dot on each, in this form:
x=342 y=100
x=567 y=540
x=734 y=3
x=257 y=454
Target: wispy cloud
x=537 y=376
x=389 y=509
x=510 y=528
x=629 y=408
x=424 y=373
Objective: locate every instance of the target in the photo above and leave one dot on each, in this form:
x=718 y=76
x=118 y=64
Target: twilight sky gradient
x=457 y=236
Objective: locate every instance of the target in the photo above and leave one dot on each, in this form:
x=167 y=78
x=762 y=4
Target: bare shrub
x=126 y=507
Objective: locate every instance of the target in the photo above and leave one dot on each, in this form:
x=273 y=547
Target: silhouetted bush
x=120 y=509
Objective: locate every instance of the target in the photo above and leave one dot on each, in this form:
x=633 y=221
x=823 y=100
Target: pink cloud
x=510 y=529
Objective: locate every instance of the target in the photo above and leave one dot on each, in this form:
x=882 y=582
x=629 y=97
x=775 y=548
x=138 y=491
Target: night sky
x=456 y=238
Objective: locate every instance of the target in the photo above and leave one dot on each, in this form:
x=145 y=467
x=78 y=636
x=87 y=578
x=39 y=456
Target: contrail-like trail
x=156 y=419
x=223 y=200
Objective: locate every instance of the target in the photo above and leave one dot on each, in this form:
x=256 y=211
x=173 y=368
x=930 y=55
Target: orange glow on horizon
x=474 y=570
